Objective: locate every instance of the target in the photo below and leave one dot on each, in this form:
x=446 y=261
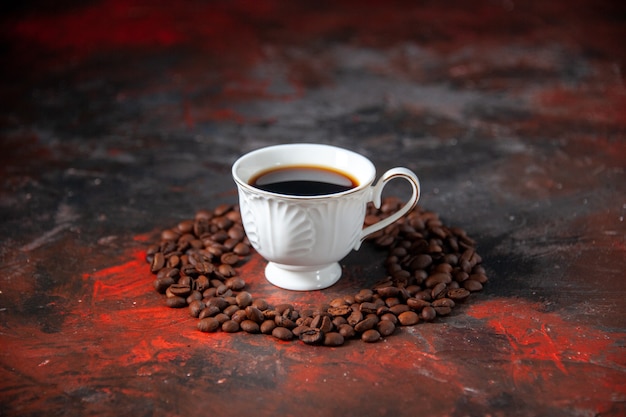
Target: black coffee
x=303 y=180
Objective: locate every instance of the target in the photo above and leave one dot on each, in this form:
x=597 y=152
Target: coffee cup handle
x=376 y=198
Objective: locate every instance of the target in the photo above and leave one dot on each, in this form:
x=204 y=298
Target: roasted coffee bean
x=451 y=259
x=241 y=249
x=423 y=295
x=428 y=313
x=229 y=258
x=162 y=284
x=220 y=236
x=208 y=311
x=399 y=309
x=215 y=249
x=333 y=339
x=388 y=292
x=203 y=214
x=239 y=316
x=201 y=227
x=224 y=291
x=354 y=318
x=208 y=324
x=221 y=317
x=367 y=323
x=444 y=268
x=443 y=302
x=235 y=283
x=201 y=283
x=176 y=302
x=412 y=290
x=312 y=336
x=195 y=307
x=346 y=331
x=420 y=276
x=230 y=326
x=342 y=310
x=195 y=295
x=254 y=314
x=439 y=290
x=267 y=326
x=283 y=321
x=304 y=321
x=389 y=317
x=260 y=303
x=338 y=321
x=244 y=299
x=231 y=309
x=322 y=322
x=298 y=329
x=364 y=295
x=218 y=302
x=421 y=261
x=185 y=226
x=472 y=285
x=222 y=222
x=368 y=308
x=392 y=301
x=185 y=280
x=236 y=232
x=222 y=209
x=250 y=326
x=158 y=262
x=416 y=304
x=382 y=310
x=230 y=243
x=385 y=328
x=189 y=270
x=370 y=336
x=226 y=270
x=270 y=314
x=216 y=283
x=284 y=307
x=431 y=267
x=438 y=278
x=173 y=261
x=209 y=292
x=168 y=272
x=178 y=290
x=466 y=256
x=443 y=310
x=282 y=333
x=408 y=318
x=480 y=277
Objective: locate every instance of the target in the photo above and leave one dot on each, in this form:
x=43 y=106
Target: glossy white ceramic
x=304 y=237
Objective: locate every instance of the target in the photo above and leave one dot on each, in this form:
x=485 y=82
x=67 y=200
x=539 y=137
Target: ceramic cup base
x=302 y=278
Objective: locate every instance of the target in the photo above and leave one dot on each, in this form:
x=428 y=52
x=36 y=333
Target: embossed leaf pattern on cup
x=277 y=228
x=249 y=219
x=342 y=231
x=294 y=227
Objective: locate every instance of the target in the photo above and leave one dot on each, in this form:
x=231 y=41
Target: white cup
x=304 y=237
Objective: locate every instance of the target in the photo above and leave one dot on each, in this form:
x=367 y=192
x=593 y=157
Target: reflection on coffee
x=303 y=180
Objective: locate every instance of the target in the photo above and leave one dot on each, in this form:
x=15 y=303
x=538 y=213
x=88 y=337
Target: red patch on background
x=540 y=344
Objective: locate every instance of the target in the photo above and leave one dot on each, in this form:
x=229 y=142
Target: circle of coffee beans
x=430 y=269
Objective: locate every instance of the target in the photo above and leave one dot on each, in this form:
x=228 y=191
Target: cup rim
x=243 y=184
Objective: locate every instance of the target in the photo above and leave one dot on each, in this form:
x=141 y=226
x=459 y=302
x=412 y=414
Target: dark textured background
x=121 y=117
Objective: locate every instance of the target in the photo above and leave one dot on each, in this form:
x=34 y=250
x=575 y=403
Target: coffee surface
x=303 y=181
